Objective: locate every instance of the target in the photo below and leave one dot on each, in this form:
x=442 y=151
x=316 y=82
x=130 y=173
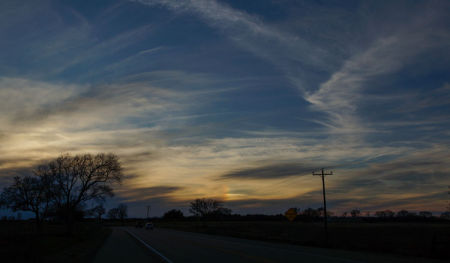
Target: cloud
x=7 y=175
x=287 y=51
x=158 y=206
x=221 y=16
x=273 y=171
x=339 y=97
x=41 y=119
x=388 y=50
x=408 y=181
x=156 y=93
x=343 y=94
x=145 y=193
x=62 y=43
x=158 y=158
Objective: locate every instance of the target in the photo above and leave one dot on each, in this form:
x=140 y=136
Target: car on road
x=149 y=225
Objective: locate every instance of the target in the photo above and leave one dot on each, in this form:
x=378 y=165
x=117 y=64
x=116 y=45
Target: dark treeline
x=61 y=189
x=251 y=217
x=213 y=210
x=300 y=218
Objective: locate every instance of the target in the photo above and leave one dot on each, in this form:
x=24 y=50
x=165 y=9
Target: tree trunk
x=69 y=226
x=38 y=223
x=69 y=222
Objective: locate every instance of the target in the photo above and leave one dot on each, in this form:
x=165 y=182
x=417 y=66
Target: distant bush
x=173 y=214
x=445 y=215
x=355 y=212
x=384 y=214
x=425 y=214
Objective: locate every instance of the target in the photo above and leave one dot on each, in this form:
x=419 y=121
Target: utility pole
x=448 y=200
x=324 y=201
x=148 y=210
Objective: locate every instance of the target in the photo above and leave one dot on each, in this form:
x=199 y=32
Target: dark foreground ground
x=426 y=240
x=19 y=242
x=217 y=242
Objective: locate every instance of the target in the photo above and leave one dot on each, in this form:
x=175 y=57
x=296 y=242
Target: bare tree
x=425 y=214
x=311 y=213
x=208 y=208
x=380 y=214
x=173 y=214
x=403 y=213
x=98 y=211
x=445 y=215
x=28 y=193
x=389 y=213
x=355 y=212
x=384 y=214
x=122 y=212
x=81 y=178
x=113 y=213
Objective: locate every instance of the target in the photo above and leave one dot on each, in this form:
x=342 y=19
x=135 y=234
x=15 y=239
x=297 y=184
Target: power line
x=324 y=201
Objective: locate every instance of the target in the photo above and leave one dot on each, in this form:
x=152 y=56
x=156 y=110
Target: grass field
x=20 y=243
x=413 y=239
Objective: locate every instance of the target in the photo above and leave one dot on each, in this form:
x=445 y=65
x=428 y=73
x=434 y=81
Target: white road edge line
x=149 y=247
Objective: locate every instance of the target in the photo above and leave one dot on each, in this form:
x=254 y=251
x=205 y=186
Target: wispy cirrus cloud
x=144 y=193
x=42 y=119
x=62 y=41
x=339 y=97
x=282 y=48
x=222 y=16
x=271 y=171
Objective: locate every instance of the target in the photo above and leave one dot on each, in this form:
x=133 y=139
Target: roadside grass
x=20 y=243
x=411 y=239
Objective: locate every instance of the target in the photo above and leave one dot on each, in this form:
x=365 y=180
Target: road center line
x=150 y=247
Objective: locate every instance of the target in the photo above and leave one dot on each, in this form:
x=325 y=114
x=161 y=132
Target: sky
x=235 y=100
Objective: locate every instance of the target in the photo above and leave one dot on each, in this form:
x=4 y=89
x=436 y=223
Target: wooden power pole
x=322 y=173
x=148 y=210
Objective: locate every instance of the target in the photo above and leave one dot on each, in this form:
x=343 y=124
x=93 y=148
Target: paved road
x=179 y=246
x=120 y=247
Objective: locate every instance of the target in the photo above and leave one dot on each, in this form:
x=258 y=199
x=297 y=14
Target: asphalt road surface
x=121 y=247
x=177 y=246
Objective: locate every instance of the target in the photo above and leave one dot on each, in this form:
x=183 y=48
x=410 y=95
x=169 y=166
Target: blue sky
x=236 y=100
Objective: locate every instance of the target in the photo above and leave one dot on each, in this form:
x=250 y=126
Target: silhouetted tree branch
x=29 y=193
x=355 y=212
x=80 y=178
x=98 y=211
x=207 y=208
x=122 y=212
x=113 y=213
